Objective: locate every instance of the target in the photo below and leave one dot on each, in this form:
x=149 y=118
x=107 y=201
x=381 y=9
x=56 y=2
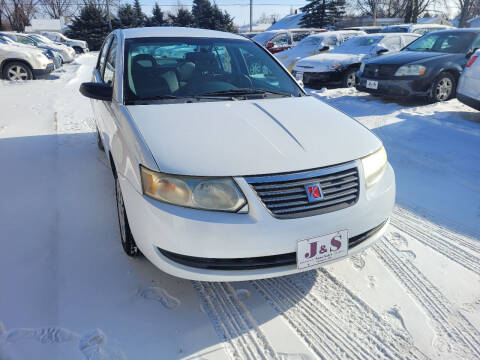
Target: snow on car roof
x=170 y=31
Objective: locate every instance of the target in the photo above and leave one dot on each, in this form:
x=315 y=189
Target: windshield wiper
x=240 y=92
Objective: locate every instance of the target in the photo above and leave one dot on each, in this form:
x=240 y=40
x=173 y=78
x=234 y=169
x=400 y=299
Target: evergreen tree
x=141 y=18
x=157 y=17
x=183 y=18
x=202 y=12
x=90 y=25
x=321 y=13
x=127 y=17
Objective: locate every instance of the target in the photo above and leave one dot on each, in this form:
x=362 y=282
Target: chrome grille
x=284 y=195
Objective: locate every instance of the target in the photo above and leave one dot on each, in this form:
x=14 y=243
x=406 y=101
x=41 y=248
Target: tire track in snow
x=455 y=334
x=458 y=248
x=232 y=322
x=334 y=322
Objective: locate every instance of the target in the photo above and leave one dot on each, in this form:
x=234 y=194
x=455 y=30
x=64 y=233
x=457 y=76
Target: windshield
x=357 y=45
x=262 y=38
x=42 y=39
x=444 y=42
x=314 y=41
x=192 y=67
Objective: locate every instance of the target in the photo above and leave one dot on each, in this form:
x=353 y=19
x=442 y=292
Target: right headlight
x=410 y=70
x=220 y=194
x=374 y=166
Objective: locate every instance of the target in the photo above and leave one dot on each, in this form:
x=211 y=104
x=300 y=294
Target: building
x=46 y=25
x=475 y=22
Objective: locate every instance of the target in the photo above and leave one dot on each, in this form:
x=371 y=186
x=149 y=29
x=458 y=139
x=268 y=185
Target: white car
x=338 y=67
x=420 y=29
x=22 y=63
x=79 y=46
x=313 y=45
x=66 y=54
x=468 y=89
x=225 y=169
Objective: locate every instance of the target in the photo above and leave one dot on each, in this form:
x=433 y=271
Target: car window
x=446 y=42
x=103 y=54
x=281 y=39
x=183 y=67
x=395 y=29
x=2 y=41
x=25 y=40
x=357 y=45
x=299 y=36
x=392 y=43
x=109 y=71
x=407 y=39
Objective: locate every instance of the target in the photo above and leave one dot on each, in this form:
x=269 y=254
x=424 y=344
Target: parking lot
x=69 y=292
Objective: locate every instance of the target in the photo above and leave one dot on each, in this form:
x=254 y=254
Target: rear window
x=395 y=29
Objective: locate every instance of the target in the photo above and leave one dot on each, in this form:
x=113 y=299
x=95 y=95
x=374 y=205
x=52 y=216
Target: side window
x=103 y=54
x=25 y=40
x=392 y=43
x=109 y=71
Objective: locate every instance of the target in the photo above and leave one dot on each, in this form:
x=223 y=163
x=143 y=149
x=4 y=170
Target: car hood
x=21 y=50
x=404 y=57
x=322 y=62
x=228 y=138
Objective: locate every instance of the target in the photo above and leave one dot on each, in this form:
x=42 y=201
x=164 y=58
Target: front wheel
x=128 y=242
x=443 y=88
x=17 y=71
x=349 y=78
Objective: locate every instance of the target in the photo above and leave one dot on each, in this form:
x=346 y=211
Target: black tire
x=443 y=88
x=78 y=50
x=99 y=142
x=349 y=78
x=128 y=242
x=17 y=71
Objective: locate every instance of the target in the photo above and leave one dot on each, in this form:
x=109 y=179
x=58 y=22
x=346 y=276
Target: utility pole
x=251 y=14
x=108 y=16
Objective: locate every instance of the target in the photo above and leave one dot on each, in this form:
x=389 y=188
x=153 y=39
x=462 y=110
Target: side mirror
x=381 y=51
x=325 y=48
x=270 y=45
x=97 y=91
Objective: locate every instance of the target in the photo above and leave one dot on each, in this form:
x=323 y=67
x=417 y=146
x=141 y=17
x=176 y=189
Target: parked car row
x=32 y=56
x=409 y=60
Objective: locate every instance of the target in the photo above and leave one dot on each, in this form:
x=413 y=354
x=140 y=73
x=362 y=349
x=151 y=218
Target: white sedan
x=225 y=169
x=315 y=44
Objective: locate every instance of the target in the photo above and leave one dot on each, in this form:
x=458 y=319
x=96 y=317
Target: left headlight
x=220 y=194
x=410 y=70
x=374 y=166
x=333 y=67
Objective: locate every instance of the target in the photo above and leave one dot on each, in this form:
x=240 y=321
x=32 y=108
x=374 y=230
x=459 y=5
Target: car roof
x=171 y=31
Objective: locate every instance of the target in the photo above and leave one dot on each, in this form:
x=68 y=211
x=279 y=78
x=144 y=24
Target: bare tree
x=382 y=8
x=19 y=12
x=468 y=10
x=58 y=8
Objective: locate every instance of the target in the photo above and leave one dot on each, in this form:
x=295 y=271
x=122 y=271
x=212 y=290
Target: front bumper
x=318 y=78
x=398 y=87
x=159 y=227
x=40 y=73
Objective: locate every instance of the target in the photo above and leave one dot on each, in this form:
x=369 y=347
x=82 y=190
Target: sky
x=239 y=9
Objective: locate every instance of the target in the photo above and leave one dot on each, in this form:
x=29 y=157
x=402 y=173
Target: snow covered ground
x=68 y=292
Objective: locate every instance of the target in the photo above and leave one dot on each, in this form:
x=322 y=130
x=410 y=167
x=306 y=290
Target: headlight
x=374 y=166
x=220 y=194
x=410 y=70
x=362 y=67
